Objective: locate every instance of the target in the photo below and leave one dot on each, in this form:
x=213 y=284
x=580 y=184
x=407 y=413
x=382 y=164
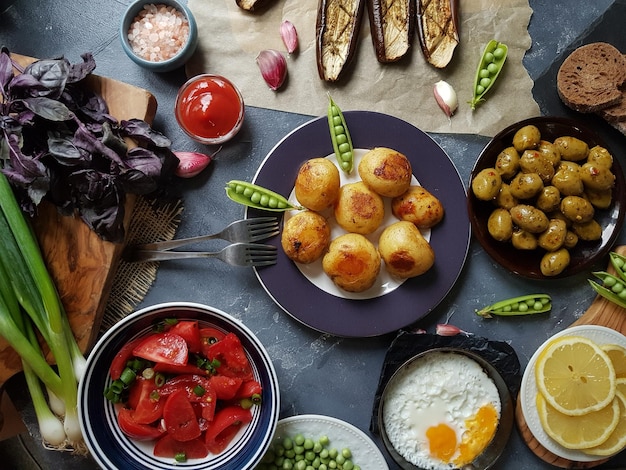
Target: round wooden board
x=603 y=313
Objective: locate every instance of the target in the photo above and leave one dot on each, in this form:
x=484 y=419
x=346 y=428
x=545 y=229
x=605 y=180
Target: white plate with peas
x=323 y=438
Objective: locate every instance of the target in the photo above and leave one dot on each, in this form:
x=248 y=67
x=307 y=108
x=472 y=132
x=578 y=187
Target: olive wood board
x=601 y=312
x=81 y=264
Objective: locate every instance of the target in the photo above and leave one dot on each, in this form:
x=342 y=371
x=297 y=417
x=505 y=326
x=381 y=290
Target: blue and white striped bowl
x=112 y=449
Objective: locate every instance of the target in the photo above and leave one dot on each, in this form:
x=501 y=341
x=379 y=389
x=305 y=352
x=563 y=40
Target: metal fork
x=240 y=231
x=237 y=254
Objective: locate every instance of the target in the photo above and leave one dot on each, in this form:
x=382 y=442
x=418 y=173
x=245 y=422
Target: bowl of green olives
x=546 y=198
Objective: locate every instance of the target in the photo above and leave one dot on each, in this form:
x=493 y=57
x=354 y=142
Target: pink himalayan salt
x=158 y=32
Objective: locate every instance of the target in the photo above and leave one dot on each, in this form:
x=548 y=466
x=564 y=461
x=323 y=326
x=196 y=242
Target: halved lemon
x=617 y=354
x=575 y=375
x=617 y=440
x=579 y=432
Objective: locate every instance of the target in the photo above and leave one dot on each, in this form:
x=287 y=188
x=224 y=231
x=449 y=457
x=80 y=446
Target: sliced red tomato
x=169 y=447
x=208 y=336
x=135 y=430
x=225 y=387
x=146 y=401
x=122 y=357
x=188 y=383
x=225 y=426
x=167 y=348
x=232 y=357
x=180 y=418
x=178 y=369
x=249 y=388
x=190 y=331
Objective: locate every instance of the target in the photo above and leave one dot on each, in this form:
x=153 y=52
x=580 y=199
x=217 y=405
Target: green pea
x=247 y=192
x=617 y=287
x=256 y=197
x=340 y=136
x=608 y=293
x=272 y=203
x=299 y=449
x=299 y=439
x=239 y=189
x=492 y=61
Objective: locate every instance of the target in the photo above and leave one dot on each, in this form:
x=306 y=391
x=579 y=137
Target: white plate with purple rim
x=391 y=307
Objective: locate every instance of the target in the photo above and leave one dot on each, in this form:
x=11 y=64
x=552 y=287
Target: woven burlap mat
x=152 y=221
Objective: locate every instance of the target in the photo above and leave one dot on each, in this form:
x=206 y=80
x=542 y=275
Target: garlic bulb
x=273 y=67
x=446 y=97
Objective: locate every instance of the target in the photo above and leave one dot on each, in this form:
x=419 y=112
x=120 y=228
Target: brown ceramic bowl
x=527 y=263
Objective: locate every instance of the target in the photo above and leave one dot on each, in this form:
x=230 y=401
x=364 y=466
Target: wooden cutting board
x=603 y=313
x=82 y=265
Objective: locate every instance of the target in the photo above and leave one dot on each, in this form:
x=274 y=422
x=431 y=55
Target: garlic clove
x=191 y=163
x=446 y=97
x=289 y=35
x=273 y=67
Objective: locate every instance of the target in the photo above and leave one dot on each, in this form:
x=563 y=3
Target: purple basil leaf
x=107 y=222
x=52 y=73
x=6 y=72
x=112 y=140
x=144 y=160
x=87 y=141
x=25 y=85
x=141 y=132
x=137 y=182
x=63 y=150
x=47 y=108
x=79 y=71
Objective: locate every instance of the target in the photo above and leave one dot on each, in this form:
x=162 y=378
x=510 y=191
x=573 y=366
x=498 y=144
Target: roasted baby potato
x=317 y=184
x=419 y=206
x=386 y=171
x=359 y=209
x=352 y=262
x=305 y=237
x=405 y=251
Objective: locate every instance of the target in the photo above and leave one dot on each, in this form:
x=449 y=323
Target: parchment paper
x=231 y=38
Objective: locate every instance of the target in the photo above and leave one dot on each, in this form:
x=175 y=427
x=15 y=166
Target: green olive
x=555 y=262
x=572 y=148
x=526 y=185
x=588 y=231
x=571 y=240
x=599 y=199
x=533 y=161
x=500 y=225
x=549 y=199
x=553 y=237
x=527 y=137
x=567 y=179
x=505 y=199
x=600 y=156
x=529 y=218
x=577 y=209
x=486 y=184
x=596 y=176
x=507 y=162
x=523 y=240
x=550 y=152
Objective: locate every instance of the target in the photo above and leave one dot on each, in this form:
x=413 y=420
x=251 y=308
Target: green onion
x=28 y=292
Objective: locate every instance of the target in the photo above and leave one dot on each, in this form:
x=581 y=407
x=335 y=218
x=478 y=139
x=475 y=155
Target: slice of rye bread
x=616 y=112
x=589 y=78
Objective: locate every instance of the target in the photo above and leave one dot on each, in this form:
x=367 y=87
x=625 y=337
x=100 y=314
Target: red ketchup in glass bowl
x=209 y=108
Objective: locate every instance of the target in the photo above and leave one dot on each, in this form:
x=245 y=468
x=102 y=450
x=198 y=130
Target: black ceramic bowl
x=527 y=263
x=488 y=457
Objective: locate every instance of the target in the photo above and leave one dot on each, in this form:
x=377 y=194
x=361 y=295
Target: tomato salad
x=186 y=387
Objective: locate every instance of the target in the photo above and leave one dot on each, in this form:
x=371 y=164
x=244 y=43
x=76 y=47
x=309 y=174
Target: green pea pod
x=340 y=137
x=258 y=197
x=613 y=288
x=489 y=68
x=619 y=264
x=523 y=305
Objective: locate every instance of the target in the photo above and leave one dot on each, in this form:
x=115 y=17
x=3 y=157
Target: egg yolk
x=480 y=429
x=441 y=441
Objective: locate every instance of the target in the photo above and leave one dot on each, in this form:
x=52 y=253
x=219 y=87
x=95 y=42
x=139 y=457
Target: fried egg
x=441 y=411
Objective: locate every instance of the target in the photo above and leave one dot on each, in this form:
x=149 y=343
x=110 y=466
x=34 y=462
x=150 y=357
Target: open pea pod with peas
x=258 y=197
x=489 y=67
x=613 y=287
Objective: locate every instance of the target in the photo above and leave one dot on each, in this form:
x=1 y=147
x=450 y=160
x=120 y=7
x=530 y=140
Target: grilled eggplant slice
x=392 y=23
x=438 y=30
x=251 y=5
x=337 y=34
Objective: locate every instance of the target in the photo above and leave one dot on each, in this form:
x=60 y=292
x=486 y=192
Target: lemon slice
x=575 y=375
x=617 y=440
x=617 y=354
x=579 y=432
x=620 y=386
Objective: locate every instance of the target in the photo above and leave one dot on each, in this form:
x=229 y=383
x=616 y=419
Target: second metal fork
x=237 y=254
x=240 y=231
